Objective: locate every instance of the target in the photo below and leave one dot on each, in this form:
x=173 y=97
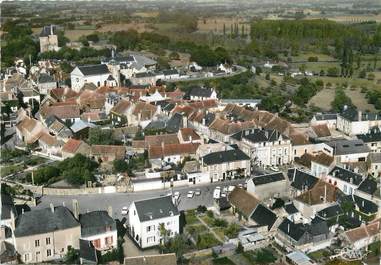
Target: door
x=38 y=256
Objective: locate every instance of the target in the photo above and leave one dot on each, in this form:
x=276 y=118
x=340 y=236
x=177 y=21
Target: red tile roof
x=159 y=151
x=71 y=146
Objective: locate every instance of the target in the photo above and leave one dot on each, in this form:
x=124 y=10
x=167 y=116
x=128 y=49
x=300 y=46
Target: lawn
x=206 y=240
x=7 y=170
x=222 y=261
x=261 y=256
x=208 y=220
x=220 y=232
x=317 y=255
x=191 y=218
x=195 y=230
x=323 y=99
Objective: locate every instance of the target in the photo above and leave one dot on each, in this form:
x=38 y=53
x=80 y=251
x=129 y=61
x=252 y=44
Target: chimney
x=51 y=29
x=288 y=228
x=52 y=207
x=360 y=115
x=109 y=211
x=75 y=208
x=22 y=211
x=325 y=193
x=203 y=121
x=63 y=204
x=190 y=139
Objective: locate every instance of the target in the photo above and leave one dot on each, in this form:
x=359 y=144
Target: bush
x=313 y=59
x=206 y=240
x=210 y=214
x=232 y=230
x=220 y=222
x=201 y=209
x=120 y=165
x=239 y=248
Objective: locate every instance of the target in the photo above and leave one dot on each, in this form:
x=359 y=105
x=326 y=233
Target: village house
x=45 y=83
x=300 y=181
x=106 y=153
x=361 y=237
x=188 y=135
x=68 y=113
x=97 y=74
x=328 y=119
x=321 y=165
x=349 y=151
x=320 y=196
x=120 y=111
x=273 y=185
x=345 y=180
x=242 y=203
x=374 y=164
x=304 y=237
x=49 y=144
x=201 y=93
x=144 y=78
x=263 y=218
x=29 y=130
x=372 y=139
x=226 y=164
x=353 y=122
x=100 y=229
x=142 y=114
x=221 y=130
x=160 y=155
x=147 y=218
x=167 y=259
x=46 y=234
x=265 y=147
x=73 y=147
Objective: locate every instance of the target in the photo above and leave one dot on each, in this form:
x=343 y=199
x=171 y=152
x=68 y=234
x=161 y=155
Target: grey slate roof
x=330 y=212
x=268 y=178
x=174 y=123
x=258 y=135
x=365 y=206
x=300 y=179
x=96 y=69
x=198 y=91
x=155 y=208
x=353 y=115
x=346 y=147
x=93 y=223
x=44 y=221
x=295 y=231
x=374 y=135
x=45 y=78
x=263 y=216
x=224 y=157
x=290 y=208
x=369 y=186
x=346 y=175
x=374 y=157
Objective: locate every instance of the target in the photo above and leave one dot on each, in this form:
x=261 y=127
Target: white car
x=225 y=189
x=274 y=168
x=216 y=193
x=176 y=195
x=190 y=194
x=231 y=188
x=197 y=192
x=223 y=194
x=124 y=210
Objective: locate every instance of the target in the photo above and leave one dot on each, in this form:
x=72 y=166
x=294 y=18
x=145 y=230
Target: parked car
x=124 y=210
x=217 y=193
x=176 y=195
x=197 y=192
x=190 y=194
x=231 y=188
x=223 y=194
x=274 y=168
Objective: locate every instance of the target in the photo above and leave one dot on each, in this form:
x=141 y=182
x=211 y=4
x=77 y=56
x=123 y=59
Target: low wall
x=79 y=191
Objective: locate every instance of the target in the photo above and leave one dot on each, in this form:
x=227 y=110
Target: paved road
x=119 y=200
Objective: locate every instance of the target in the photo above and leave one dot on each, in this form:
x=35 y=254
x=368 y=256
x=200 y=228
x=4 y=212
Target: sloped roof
x=243 y=200
x=264 y=216
x=160 y=151
x=42 y=221
x=225 y=157
x=96 y=69
x=155 y=208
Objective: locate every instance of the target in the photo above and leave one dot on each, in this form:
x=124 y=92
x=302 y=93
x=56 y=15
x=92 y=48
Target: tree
x=239 y=248
x=333 y=72
x=371 y=76
x=120 y=165
x=100 y=136
x=163 y=234
x=174 y=56
x=177 y=245
x=362 y=73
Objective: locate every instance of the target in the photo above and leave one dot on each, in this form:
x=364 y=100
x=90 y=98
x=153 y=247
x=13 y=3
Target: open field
x=359 y=100
x=353 y=82
x=323 y=99
x=352 y=18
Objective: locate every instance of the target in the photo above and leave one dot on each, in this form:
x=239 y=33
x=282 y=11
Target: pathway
x=210 y=229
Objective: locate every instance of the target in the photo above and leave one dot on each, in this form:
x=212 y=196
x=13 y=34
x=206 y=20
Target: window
x=26 y=257
x=48 y=252
x=48 y=241
x=37 y=243
x=108 y=240
x=96 y=243
x=149 y=228
x=151 y=239
x=134 y=212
